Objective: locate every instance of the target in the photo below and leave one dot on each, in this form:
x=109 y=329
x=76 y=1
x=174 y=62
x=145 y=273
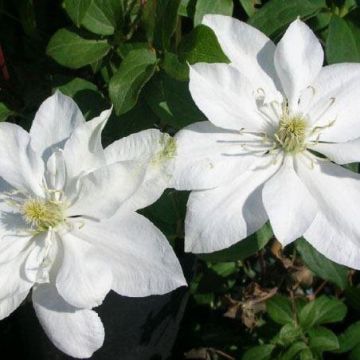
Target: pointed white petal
x=83 y=151
x=140 y=256
x=337 y=192
x=147 y=146
x=84 y=277
x=55 y=120
x=101 y=192
x=298 y=60
x=333 y=242
x=76 y=332
x=341 y=153
x=219 y=218
x=19 y=164
x=334 y=105
x=288 y=203
x=13 y=256
x=254 y=58
x=10 y=304
x=226 y=97
x=208 y=156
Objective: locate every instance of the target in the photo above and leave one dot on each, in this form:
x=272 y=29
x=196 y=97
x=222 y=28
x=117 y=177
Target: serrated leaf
x=201 y=45
x=322 y=339
x=321 y=266
x=71 y=50
x=204 y=7
x=244 y=248
x=5 y=112
x=321 y=311
x=260 y=352
x=103 y=17
x=277 y=14
x=77 y=9
x=134 y=72
x=279 y=309
x=343 y=40
x=349 y=338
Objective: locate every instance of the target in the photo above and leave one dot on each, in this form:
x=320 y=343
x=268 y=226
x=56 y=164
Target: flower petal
x=333 y=243
x=83 y=151
x=55 y=120
x=208 y=156
x=151 y=147
x=334 y=106
x=219 y=218
x=288 y=203
x=337 y=192
x=10 y=304
x=84 y=278
x=101 y=192
x=341 y=153
x=298 y=60
x=140 y=256
x=255 y=58
x=216 y=90
x=19 y=165
x=76 y=332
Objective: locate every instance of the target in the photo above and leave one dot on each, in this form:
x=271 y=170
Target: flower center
x=291 y=133
x=43 y=214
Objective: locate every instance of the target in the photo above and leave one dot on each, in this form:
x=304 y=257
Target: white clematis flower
x=272 y=111
x=67 y=231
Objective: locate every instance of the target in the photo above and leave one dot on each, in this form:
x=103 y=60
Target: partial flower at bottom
x=67 y=230
x=279 y=125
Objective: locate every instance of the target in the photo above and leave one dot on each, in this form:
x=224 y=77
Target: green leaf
x=5 y=112
x=260 y=352
x=293 y=350
x=288 y=334
x=355 y=353
x=71 y=87
x=244 y=248
x=201 y=45
x=77 y=9
x=134 y=72
x=160 y=19
x=171 y=101
x=306 y=354
x=322 y=339
x=321 y=311
x=349 y=338
x=279 y=309
x=187 y=8
x=352 y=294
x=71 y=50
x=343 y=41
x=276 y=14
x=204 y=7
x=224 y=269
x=103 y=17
x=249 y=6
x=174 y=67
x=322 y=266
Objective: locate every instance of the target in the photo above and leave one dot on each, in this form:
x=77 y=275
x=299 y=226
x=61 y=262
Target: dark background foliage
x=254 y=301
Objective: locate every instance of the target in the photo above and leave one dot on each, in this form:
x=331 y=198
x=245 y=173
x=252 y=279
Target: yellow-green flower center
x=168 y=149
x=291 y=134
x=42 y=214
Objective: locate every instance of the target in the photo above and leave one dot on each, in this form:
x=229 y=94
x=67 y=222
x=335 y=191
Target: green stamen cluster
x=42 y=214
x=168 y=149
x=291 y=134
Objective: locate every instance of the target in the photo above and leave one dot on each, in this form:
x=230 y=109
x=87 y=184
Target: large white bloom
x=273 y=110
x=68 y=224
